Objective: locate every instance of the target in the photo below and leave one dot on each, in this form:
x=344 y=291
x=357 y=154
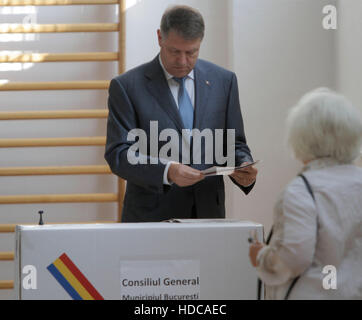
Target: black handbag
x=310 y=190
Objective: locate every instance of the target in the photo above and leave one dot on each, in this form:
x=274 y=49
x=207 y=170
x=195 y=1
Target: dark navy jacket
x=142 y=95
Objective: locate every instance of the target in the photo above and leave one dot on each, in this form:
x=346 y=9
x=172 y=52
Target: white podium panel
x=193 y=259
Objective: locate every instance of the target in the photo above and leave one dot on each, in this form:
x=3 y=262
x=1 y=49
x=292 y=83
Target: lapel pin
x=207 y=82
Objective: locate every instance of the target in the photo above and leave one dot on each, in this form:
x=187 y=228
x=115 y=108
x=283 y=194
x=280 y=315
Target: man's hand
x=253 y=252
x=245 y=177
x=182 y=175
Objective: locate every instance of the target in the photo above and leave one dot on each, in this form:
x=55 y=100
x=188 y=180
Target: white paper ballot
x=224 y=171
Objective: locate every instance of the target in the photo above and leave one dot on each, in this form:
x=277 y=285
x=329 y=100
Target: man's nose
x=182 y=59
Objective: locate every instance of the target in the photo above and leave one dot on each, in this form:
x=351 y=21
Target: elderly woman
x=317 y=233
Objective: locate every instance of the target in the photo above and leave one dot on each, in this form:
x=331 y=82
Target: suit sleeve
x=122 y=119
x=234 y=120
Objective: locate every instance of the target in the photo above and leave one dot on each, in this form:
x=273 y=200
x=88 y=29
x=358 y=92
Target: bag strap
x=310 y=190
x=307 y=184
x=259 y=281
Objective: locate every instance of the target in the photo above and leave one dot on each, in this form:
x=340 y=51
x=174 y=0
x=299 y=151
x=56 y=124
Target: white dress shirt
x=174 y=87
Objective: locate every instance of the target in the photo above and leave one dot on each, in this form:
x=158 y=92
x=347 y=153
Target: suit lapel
x=158 y=87
x=202 y=92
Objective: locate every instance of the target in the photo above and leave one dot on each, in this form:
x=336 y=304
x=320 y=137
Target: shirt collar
x=320 y=163
x=170 y=76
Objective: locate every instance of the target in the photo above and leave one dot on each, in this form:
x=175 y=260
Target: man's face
x=178 y=55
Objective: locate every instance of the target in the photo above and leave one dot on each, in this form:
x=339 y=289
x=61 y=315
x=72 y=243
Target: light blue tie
x=184 y=104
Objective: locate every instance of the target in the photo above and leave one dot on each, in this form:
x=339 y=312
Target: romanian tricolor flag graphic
x=72 y=280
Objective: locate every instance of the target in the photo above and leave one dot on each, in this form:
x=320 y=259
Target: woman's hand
x=253 y=252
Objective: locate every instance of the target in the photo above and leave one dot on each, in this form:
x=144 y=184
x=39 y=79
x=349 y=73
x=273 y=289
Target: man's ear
x=159 y=36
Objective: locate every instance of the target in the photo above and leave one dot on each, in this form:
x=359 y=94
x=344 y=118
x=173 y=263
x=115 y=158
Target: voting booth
x=180 y=260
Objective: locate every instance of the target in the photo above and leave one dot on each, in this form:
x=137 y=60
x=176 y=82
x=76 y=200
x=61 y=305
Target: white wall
x=280 y=51
x=143 y=19
x=349 y=50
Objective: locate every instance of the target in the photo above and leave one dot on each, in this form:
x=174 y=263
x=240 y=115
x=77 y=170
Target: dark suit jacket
x=142 y=95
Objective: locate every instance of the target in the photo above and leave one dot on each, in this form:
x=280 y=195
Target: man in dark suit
x=180 y=92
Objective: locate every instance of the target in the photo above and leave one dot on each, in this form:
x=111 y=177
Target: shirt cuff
x=260 y=254
x=276 y=273
x=165 y=180
x=249 y=184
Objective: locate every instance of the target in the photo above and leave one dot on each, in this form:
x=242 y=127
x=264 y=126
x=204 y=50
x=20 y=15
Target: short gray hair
x=185 y=21
x=324 y=124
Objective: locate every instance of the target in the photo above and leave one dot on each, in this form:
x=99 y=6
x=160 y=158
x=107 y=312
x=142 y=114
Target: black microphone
x=41 y=218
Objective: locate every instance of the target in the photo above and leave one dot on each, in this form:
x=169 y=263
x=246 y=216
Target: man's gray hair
x=325 y=124
x=185 y=21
